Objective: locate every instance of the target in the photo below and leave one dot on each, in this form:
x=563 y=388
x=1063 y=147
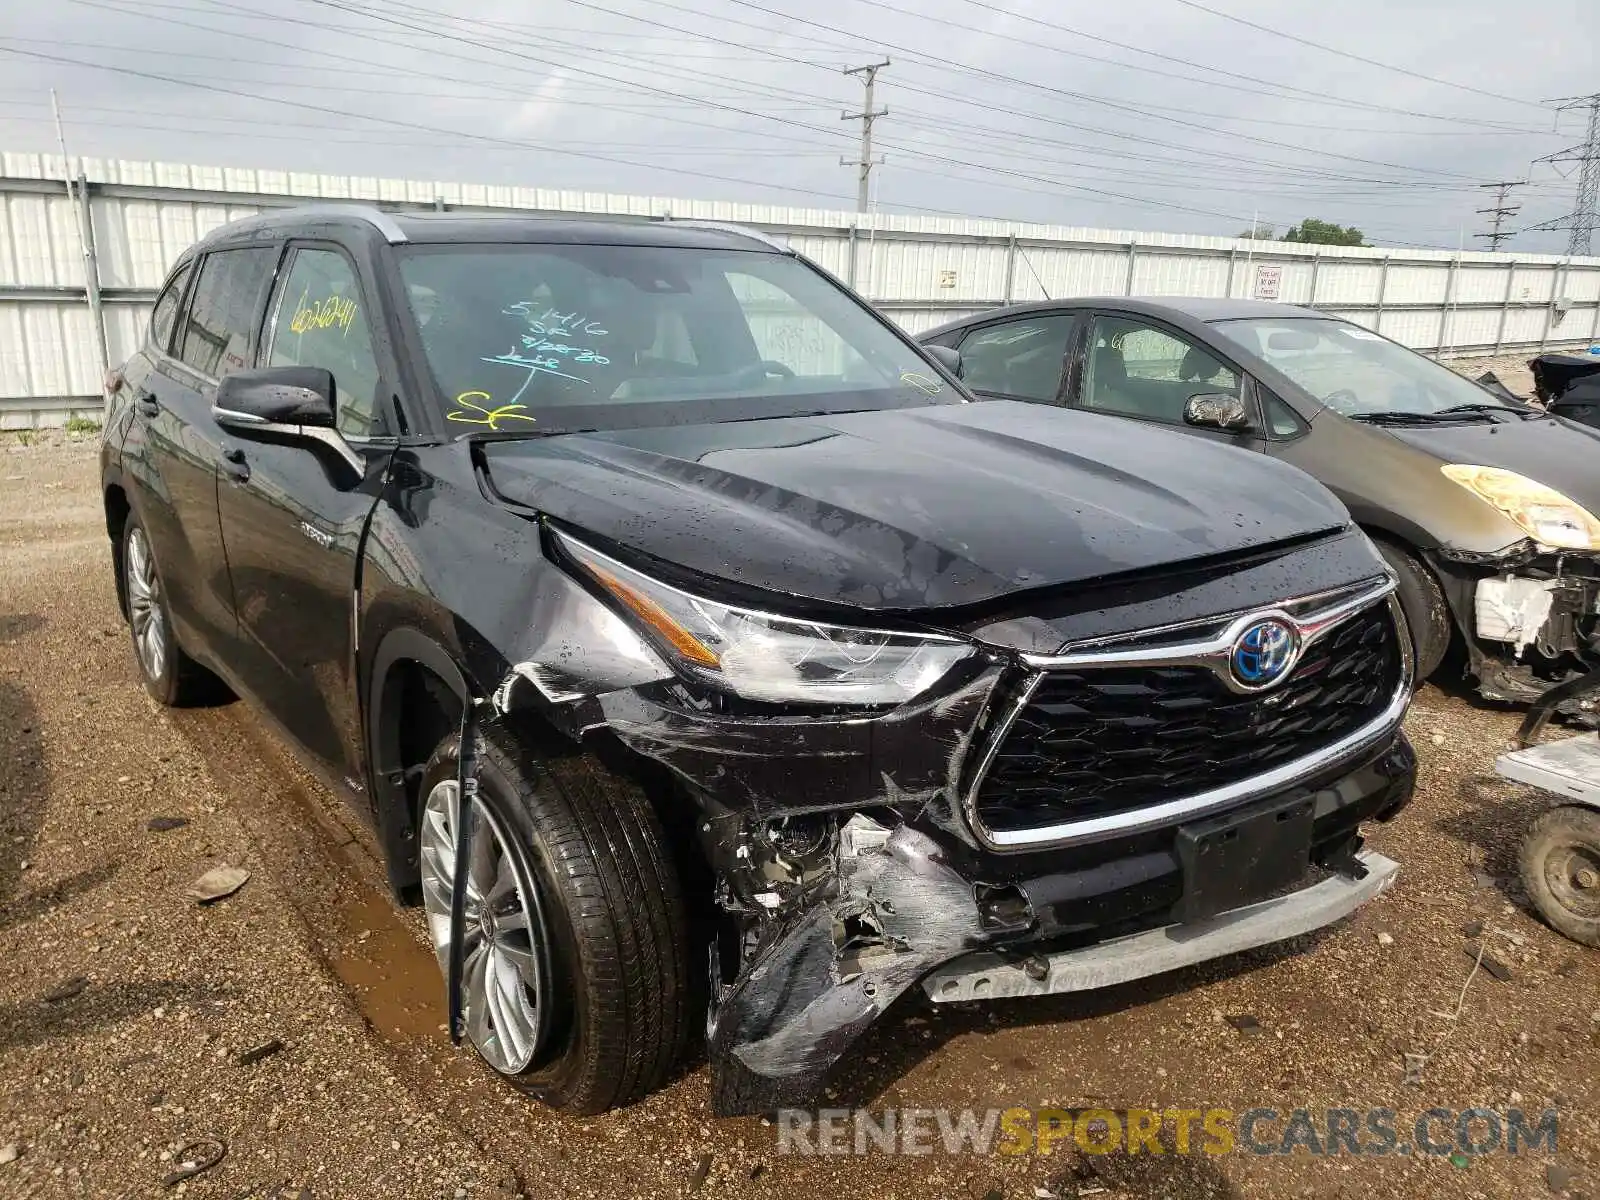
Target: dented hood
x=913 y=508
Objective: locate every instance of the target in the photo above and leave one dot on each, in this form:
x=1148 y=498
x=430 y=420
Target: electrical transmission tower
x=1581 y=221
x=867 y=115
x=1498 y=212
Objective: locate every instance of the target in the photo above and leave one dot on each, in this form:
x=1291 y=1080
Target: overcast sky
x=1176 y=119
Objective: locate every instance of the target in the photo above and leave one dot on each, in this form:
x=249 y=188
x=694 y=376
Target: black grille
x=1097 y=741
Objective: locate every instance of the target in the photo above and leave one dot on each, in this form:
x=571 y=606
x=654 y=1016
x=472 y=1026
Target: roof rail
x=378 y=219
x=729 y=227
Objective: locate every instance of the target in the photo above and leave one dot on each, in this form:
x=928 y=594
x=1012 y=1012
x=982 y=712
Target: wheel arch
x=1456 y=623
x=118 y=509
x=416 y=695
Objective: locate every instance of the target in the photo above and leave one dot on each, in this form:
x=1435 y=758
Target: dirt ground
x=127 y=1010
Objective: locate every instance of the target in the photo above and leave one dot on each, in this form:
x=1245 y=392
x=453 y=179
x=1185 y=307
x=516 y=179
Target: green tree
x=1324 y=233
x=1258 y=233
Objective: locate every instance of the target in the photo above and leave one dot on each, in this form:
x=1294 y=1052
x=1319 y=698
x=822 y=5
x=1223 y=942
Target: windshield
x=555 y=338
x=1353 y=370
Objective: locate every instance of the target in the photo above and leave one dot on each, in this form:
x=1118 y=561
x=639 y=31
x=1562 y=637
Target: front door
x=1134 y=366
x=294 y=512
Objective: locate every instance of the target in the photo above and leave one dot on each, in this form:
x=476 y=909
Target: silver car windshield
x=1353 y=370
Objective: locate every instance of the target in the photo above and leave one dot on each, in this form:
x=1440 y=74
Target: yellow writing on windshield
x=327 y=313
x=476 y=414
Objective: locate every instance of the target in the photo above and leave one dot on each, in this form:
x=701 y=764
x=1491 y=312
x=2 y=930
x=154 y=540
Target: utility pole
x=1498 y=212
x=868 y=114
x=91 y=268
x=1581 y=220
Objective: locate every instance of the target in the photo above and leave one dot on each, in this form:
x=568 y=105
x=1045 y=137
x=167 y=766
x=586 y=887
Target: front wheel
x=575 y=980
x=1561 y=870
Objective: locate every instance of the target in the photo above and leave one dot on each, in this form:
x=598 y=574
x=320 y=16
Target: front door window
x=1139 y=369
x=319 y=321
x=1021 y=359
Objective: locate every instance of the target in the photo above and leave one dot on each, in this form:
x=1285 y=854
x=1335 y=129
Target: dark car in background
x=1484 y=507
x=1568 y=385
x=702 y=654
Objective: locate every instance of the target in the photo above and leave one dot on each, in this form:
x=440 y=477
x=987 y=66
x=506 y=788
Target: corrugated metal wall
x=920 y=270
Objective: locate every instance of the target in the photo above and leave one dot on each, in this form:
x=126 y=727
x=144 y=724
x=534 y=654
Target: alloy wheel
x=505 y=969
x=144 y=607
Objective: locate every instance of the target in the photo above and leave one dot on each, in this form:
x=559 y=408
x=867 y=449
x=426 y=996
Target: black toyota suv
x=778 y=678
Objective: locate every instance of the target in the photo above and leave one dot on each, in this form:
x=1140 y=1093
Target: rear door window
x=1022 y=358
x=218 y=332
x=166 y=308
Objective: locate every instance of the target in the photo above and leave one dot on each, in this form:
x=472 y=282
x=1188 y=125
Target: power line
x=1371 y=62
x=867 y=115
x=1056 y=185
x=397 y=123
x=1319 y=97
x=411 y=8
x=1047 y=88
x=500 y=26
x=1498 y=212
x=1582 y=219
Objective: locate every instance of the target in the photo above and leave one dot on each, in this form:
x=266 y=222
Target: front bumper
x=905 y=907
x=991 y=976
x=1530 y=618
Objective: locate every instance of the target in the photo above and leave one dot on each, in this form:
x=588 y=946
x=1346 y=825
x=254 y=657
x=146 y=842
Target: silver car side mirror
x=1216 y=410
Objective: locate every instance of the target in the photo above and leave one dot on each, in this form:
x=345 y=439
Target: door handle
x=235 y=465
x=147 y=404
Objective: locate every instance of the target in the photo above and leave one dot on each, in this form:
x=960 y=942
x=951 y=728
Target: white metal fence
x=920 y=270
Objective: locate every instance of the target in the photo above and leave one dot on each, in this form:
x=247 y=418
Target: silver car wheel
x=503 y=976
x=144 y=607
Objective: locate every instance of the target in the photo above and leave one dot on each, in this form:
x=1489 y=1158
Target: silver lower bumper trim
x=985 y=975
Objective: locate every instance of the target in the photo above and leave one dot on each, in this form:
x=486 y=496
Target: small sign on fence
x=1268 y=280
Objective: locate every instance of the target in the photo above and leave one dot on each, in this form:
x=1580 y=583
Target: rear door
x=1021 y=357
x=176 y=446
x=294 y=511
x=1131 y=365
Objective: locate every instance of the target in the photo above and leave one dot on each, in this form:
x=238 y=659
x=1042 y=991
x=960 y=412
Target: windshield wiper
x=1527 y=414
x=1447 y=416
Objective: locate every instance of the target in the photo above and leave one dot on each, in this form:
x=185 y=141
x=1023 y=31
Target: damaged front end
x=1020 y=821
x=1530 y=618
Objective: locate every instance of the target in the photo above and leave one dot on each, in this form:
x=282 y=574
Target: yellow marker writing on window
x=326 y=313
x=476 y=414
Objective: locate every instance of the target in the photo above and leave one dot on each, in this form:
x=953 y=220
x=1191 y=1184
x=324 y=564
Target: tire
x=613 y=1016
x=170 y=676
x=1424 y=604
x=1561 y=870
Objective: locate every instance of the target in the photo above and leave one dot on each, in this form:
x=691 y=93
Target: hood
x=914 y=508
x=1550 y=450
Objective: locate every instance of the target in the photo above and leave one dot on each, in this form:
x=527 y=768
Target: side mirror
x=275 y=396
x=1216 y=410
x=947 y=357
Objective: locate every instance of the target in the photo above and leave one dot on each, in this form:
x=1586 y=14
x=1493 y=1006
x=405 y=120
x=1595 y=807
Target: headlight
x=1541 y=512
x=761 y=656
